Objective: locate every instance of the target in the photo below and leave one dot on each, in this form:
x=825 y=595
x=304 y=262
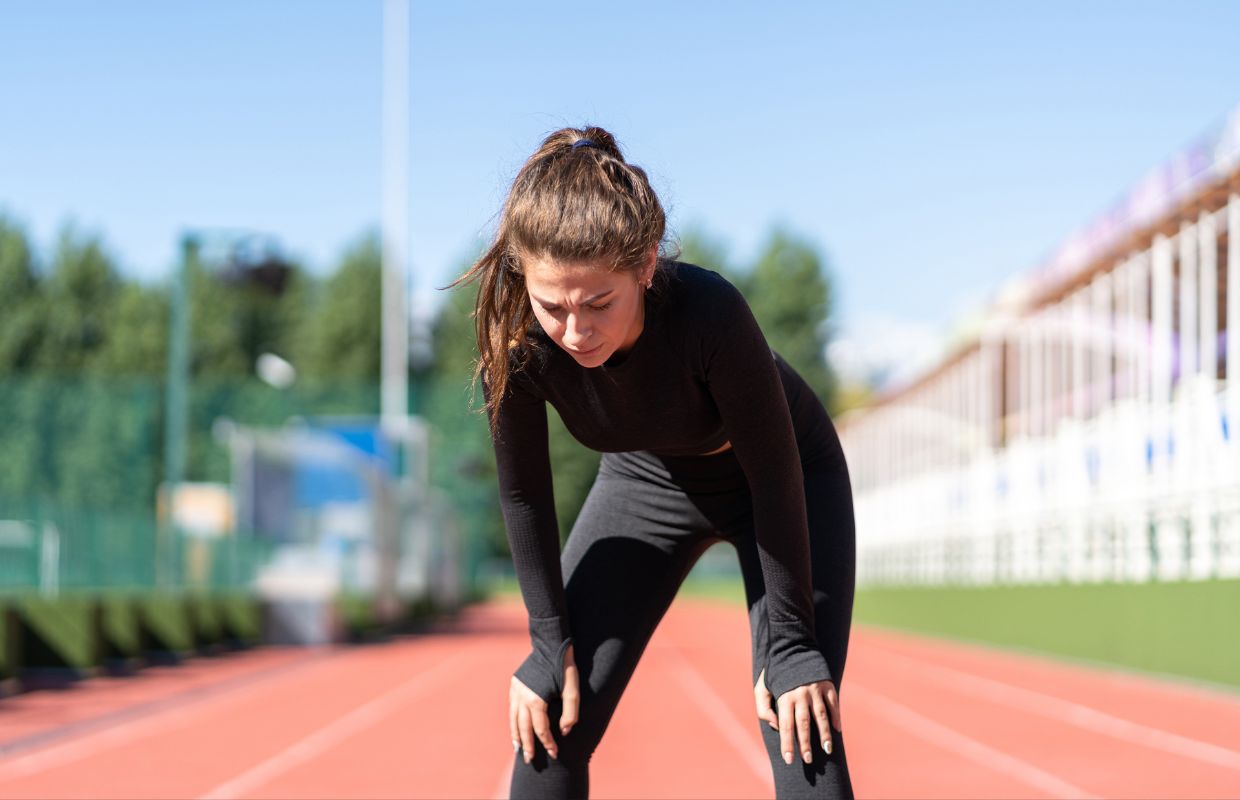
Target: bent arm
x=744 y=382
x=528 y=505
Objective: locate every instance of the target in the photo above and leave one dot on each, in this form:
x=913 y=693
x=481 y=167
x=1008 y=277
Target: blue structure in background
x=319 y=482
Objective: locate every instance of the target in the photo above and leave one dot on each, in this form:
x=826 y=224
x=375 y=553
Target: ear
x=647 y=272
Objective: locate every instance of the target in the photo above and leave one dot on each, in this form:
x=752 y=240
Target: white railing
x=1141 y=491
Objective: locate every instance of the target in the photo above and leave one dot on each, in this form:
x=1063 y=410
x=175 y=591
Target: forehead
x=559 y=281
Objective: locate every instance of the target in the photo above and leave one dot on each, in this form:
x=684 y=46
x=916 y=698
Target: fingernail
x=528 y=756
x=827 y=746
x=515 y=745
x=551 y=753
x=564 y=731
x=787 y=758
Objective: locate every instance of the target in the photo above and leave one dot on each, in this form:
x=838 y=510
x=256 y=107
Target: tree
x=461 y=462
x=790 y=297
x=21 y=301
x=73 y=432
x=80 y=295
x=789 y=292
x=137 y=341
x=234 y=320
x=343 y=337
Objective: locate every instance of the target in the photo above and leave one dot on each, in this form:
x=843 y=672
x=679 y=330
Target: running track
x=425 y=716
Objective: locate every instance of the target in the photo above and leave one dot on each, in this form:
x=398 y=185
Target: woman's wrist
x=543 y=672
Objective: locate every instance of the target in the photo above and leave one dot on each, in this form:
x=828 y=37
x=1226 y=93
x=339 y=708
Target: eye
x=551 y=309
x=603 y=307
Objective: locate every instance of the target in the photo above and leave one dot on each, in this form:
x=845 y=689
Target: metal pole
x=394 y=390
x=176 y=413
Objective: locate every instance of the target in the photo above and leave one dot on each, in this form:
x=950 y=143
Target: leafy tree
x=216 y=347
x=462 y=462
x=137 y=340
x=72 y=432
x=790 y=297
x=344 y=336
x=789 y=292
x=294 y=317
x=21 y=301
x=234 y=320
x=80 y=294
x=573 y=467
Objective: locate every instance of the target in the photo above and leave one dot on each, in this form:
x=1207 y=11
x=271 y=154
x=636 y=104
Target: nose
x=575 y=334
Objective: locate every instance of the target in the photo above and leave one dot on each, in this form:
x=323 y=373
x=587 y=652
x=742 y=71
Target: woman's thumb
x=763 y=698
x=570 y=699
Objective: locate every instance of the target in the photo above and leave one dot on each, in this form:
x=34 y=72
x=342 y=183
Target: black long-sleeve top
x=700 y=374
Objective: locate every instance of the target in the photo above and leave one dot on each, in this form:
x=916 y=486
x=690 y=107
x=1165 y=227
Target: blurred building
x=1084 y=430
x=347 y=509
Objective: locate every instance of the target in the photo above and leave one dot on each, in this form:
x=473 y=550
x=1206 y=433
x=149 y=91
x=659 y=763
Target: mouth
x=589 y=352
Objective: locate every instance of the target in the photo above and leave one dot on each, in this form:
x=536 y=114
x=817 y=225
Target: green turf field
x=1189 y=629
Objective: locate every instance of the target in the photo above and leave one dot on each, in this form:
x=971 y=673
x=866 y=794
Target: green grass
x=724 y=589
x=1189 y=629
x=502 y=587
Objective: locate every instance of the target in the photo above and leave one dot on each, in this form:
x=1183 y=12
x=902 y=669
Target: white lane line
x=166 y=716
x=146 y=708
x=326 y=737
x=127 y=715
x=752 y=754
x=332 y=734
x=968 y=747
x=1126 y=675
x=1056 y=708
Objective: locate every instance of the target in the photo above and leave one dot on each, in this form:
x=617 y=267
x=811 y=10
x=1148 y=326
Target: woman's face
x=589 y=310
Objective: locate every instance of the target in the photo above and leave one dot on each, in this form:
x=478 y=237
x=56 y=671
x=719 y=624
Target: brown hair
x=575 y=200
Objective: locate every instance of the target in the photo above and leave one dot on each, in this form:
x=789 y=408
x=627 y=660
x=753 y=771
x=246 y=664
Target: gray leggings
x=646 y=521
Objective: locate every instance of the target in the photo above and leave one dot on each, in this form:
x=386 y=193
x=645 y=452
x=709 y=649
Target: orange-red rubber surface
x=425 y=716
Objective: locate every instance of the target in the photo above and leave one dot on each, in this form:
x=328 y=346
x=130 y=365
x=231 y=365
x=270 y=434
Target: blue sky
x=930 y=149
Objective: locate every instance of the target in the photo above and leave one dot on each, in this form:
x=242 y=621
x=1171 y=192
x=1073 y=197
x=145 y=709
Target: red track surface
x=426 y=717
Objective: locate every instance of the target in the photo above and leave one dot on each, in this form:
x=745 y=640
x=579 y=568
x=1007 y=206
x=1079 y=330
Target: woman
x=707 y=435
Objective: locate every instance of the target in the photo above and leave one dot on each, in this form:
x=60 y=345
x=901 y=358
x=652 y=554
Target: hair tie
x=583 y=143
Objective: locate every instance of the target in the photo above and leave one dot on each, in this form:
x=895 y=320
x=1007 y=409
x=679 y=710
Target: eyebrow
x=585 y=302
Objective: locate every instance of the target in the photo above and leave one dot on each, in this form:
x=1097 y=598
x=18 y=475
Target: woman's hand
x=816 y=701
x=527 y=712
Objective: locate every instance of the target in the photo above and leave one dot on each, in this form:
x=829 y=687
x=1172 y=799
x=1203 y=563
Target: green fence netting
x=81 y=462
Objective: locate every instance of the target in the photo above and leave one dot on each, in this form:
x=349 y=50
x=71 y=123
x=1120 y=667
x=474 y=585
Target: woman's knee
x=579 y=744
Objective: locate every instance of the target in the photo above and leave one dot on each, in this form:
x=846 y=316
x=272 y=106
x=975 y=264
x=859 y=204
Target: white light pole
x=394 y=365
